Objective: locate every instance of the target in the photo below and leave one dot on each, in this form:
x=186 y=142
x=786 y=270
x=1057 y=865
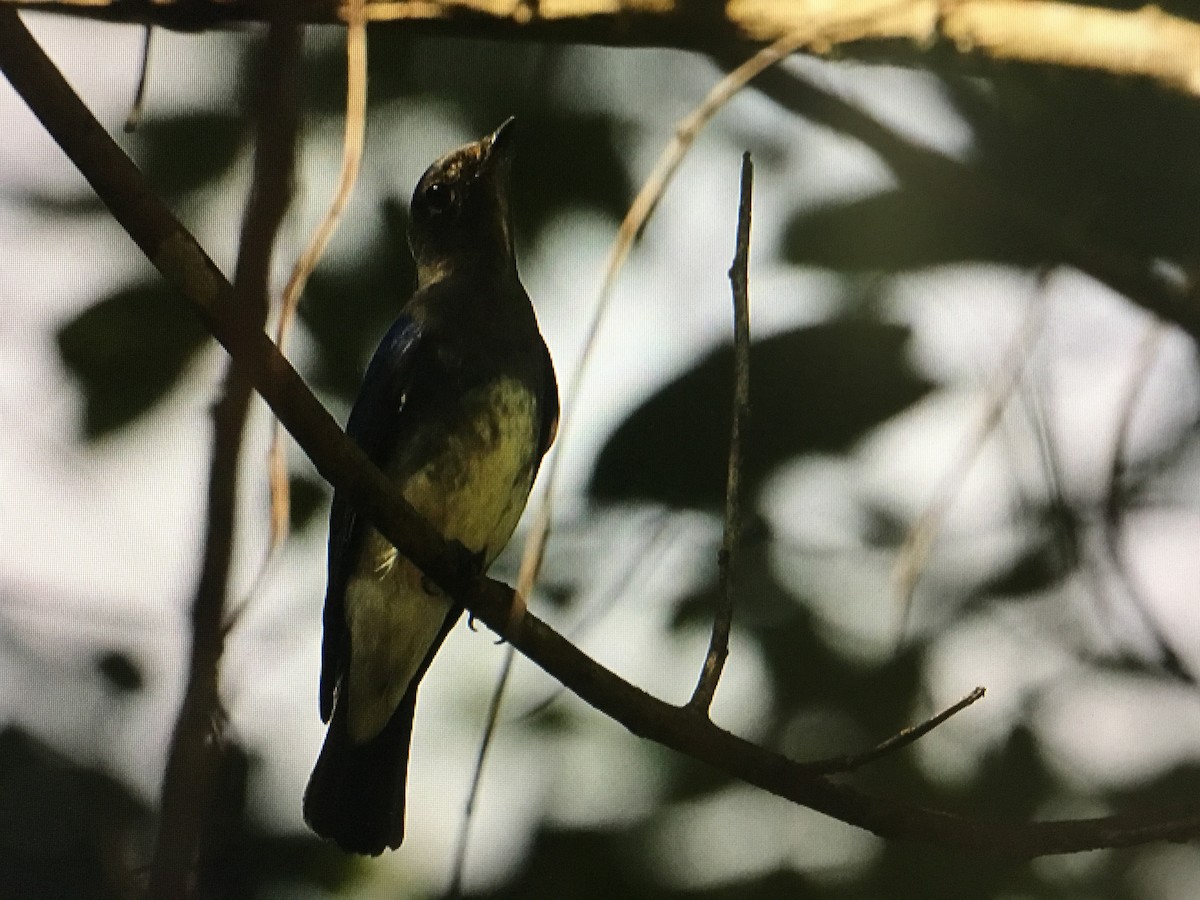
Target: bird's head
x=459 y=213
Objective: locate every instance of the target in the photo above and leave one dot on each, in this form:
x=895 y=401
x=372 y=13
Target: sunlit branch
x=1146 y=42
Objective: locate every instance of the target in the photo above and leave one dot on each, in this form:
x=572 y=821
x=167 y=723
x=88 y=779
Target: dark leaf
x=179 y=155
x=567 y=159
x=65 y=830
x=126 y=352
x=120 y=670
x=904 y=229
x=814 y=389
x=1110 y=157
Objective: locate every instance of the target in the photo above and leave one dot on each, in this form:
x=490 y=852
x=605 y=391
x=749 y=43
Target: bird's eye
x=439 y=198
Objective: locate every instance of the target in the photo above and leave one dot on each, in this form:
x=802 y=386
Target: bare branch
x=897 y=741
x=175 y=253
x=459 y=866
x=196 y=754
x=687 y=130
x=739 y=279
x=1147 y=42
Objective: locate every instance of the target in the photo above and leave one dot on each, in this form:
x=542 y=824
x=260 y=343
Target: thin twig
x=896 y=742
x=196 y=754
x=914 y=553
x=352 y=151
x=137 y=107
x=1113 y=520
x=687 y=130
x=454 y=891
x=739 y=279
x=1143 y=364
x=644 y=204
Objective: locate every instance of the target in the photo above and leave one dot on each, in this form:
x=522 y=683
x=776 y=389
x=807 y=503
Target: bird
x=458 y=406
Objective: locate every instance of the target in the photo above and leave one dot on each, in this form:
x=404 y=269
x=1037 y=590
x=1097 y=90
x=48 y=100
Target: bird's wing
x=376 y=426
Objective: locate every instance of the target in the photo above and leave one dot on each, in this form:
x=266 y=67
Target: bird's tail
x=355 y=796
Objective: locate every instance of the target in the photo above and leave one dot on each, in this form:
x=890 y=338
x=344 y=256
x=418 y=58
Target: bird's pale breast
x=473 y=490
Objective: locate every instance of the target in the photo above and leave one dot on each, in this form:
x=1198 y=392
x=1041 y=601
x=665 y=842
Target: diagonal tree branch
x=186 y=267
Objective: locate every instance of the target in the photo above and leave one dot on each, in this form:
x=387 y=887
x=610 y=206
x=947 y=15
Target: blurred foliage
x=812 y=389
x=127 y=351
x=1109 y=159
x=121 y=671
x=905 y=229
x=308 y=497
x=66 y=831
x=347 y=311
x=69 y=832
x=1112 y=158
x=165 y=150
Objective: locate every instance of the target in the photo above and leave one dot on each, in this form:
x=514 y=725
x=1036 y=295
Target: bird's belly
x=473 y=490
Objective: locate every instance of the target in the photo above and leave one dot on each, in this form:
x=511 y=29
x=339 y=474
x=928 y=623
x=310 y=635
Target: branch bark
x=185 y=265
x=197 y=752
x=739 y=282
x=1147 y=42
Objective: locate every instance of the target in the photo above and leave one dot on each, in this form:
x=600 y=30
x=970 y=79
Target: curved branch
x=175 y=253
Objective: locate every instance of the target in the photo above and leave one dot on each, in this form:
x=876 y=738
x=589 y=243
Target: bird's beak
x=498 y=146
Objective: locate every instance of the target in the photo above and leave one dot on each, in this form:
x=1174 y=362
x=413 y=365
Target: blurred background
x=919 y=360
